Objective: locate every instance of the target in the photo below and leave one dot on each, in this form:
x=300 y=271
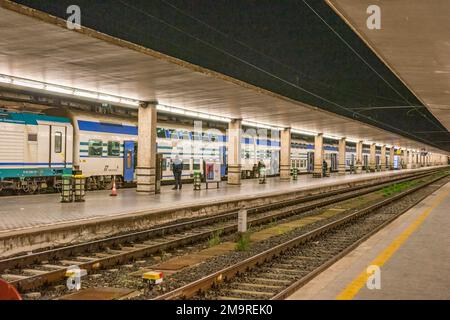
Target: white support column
x=383 y=158
x=405 y=158
x=318 y=155
x=359 y=156
x=341 y=160
x=391 y=158
x=234 y=151
x=285 y=156
x=408 y=159
x=146 y=158
x=372 y=158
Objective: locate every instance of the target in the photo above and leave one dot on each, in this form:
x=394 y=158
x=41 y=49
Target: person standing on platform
x=324 y=168
x=177 y=169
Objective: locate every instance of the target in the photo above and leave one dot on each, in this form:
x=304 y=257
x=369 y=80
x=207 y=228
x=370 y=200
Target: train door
x=333 y=162
x=129 y=154
x=365 y=161
x=223 y=160
x=310 y=166
x=57 y=146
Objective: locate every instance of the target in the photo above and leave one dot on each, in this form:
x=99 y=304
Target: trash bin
x=197 y=180
x=294 y=173
x=66 y=188
x=79 y=191
x=262 y=175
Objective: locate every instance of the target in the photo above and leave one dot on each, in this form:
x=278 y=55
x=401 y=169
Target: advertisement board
x=212 y=171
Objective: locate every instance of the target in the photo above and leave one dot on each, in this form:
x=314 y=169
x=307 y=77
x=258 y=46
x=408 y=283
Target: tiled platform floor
x=23 y=212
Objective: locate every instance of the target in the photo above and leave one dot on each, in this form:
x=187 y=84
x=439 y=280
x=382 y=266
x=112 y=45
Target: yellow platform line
x=358 y=283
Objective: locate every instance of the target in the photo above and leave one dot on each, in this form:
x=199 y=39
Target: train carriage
x=35 y=150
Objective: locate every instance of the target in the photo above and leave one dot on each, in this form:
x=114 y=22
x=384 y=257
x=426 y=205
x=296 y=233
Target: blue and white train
x=36 y=149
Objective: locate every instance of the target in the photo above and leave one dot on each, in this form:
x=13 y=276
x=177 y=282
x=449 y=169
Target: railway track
x=34 y=270
x=279 y=271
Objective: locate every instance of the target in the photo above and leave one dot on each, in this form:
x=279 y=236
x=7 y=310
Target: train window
x=197 y=136
x=173 y=134
x=214 y=137
x=95 y=148
x=58 y=142
x=185 y=135
x=129 y=159
x=160 y=133
x=113 y=148
x=164 y=164
x=186 y=166
x=205 y=137
x=32 y=137
x=196 y=166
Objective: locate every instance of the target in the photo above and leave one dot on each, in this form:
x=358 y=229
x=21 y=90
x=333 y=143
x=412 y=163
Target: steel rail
x=143 y=250
x=58 y=253
x=218 y=277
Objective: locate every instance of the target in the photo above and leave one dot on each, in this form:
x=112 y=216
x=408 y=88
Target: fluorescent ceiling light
x=163 y=108
x=109 y=98
x=217 y=118
x=178 y=111
x=86 y=94
x=129 y=102
x=192 y=114
x=58 y=89
x=5 y=79
x=28 y=83
x=308 y=133
x=204 y=116
x=258 y=125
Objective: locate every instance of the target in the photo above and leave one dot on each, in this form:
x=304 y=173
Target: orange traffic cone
x=114 y=190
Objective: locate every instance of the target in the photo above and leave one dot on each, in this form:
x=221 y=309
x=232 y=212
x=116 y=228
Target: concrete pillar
x=285 y=156
x=405 y=157
x=318 y=155
x=372 y=158
x=359 y=156
x=410 y=159
x=146 y=157
x=383 y=158
x=391 y=158
x=341 y=160
x=234 y=151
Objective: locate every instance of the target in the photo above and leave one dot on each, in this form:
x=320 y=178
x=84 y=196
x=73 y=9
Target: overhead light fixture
x=28 y=83
x=58 y=89
x=259 y=125
x=129 y=102
x=109 y=98
x=5 y=79
x=86 y=94
x=308 y=133
x=135 y=103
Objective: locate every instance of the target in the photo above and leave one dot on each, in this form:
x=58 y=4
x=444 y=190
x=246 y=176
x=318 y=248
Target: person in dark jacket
x=177 y=169
x=324 y=168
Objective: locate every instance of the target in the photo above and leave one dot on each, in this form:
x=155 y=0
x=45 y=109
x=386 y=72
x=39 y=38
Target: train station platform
x=413 y=254
x=38 y=221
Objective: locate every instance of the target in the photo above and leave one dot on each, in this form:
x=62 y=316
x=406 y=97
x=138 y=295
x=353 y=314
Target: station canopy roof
x=414 y=41
x=38 y=46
